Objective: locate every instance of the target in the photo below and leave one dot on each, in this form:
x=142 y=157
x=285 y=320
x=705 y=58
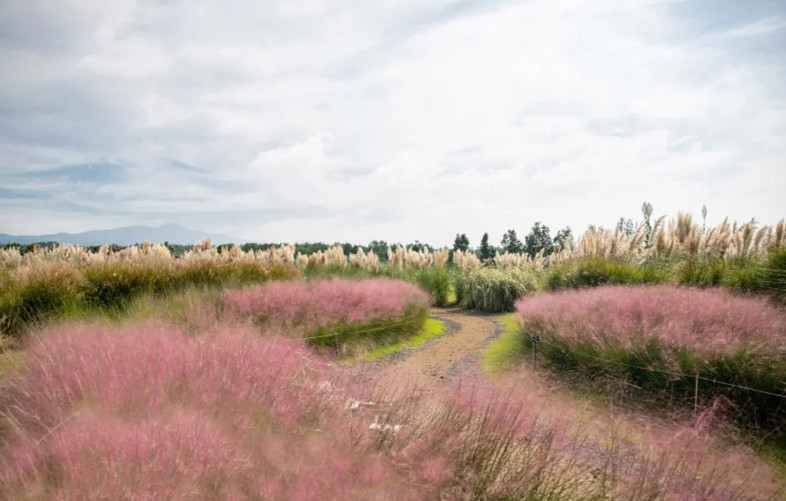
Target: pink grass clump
x=146 y=412
x=710 y=322
x=328 y=302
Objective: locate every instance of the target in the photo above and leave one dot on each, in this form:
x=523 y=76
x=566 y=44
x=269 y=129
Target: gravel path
x=432 y=366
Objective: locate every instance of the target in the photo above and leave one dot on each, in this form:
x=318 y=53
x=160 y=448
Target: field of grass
x=150 y=410
x=229 y=374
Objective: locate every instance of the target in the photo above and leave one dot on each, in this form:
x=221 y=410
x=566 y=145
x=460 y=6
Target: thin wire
x=363 y=331
x=651 y=369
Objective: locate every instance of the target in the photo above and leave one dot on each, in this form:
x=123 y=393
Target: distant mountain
x=128 y=235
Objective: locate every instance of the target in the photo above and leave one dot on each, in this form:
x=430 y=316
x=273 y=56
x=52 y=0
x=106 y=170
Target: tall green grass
x=771 y=280
x=435 y=281
x=493 y=291
x=593 y=272
x=49 y=290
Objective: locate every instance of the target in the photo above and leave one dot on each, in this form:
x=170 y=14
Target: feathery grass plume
x=466 y=260
x=441 y=258
x=334 y=256
x=397 y=258
x=418 y=260
x=276 y=255
x=365 y=262
x=659 y=338
x=203 y=246
x=331 y=258
x=10 y=258
x=515 y=260
x=778 y=236
x=607 y=244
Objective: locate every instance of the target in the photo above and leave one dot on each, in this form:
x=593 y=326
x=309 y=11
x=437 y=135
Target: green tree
x=380 y=248
x=539 y=239
x=486 y=251
x=626 y=226
x=418 y=246
x=511 y=243
x=564 y=239
x=461 y=243
x=646 y=210
x=349 y=248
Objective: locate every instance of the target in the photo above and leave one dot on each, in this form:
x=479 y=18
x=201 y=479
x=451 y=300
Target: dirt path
x=428 y=368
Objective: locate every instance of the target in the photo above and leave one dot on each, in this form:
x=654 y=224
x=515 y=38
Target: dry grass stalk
x=397 y=258
x=362 y=261
x=441 y=258
x=466 y=260
x=681 y=237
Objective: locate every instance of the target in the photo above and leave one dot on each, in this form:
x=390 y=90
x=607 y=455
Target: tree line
x=538 y=240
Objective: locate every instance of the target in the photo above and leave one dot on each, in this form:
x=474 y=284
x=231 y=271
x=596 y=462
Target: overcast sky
x=395 y=119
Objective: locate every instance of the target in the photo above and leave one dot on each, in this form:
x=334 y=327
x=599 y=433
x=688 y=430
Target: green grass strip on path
x=506 y=351
x=431 y=328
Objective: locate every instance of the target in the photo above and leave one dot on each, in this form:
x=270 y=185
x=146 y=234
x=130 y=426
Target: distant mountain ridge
x=127 y=235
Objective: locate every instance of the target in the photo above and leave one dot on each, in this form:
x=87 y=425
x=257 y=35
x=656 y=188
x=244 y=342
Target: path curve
x=428 y=368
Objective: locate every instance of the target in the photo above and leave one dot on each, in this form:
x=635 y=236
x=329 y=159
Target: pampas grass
x=43 y=283
x=492 y=290
x=466 y=260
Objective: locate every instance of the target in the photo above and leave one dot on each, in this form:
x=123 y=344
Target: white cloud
x=396 y=120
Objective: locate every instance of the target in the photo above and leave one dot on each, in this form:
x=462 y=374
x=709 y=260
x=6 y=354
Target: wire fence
x=672 y=373
x=365 y=331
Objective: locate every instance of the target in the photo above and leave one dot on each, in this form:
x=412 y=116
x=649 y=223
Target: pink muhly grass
x=708 y=321
x=328 y=302
x=146 y=412
x=179 y=455
x=142 y=369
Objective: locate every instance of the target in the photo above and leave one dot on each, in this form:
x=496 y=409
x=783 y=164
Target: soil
x=434 y=365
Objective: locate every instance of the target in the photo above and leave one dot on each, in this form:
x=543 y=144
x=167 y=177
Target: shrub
x=458 y=285
x=701 y=272
x=772 y=278
x=436 y=281
x=113 y=286
x=659 y=338
x=592 y=272
x=33 y=294
x=492 y=290
x=389 y=308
